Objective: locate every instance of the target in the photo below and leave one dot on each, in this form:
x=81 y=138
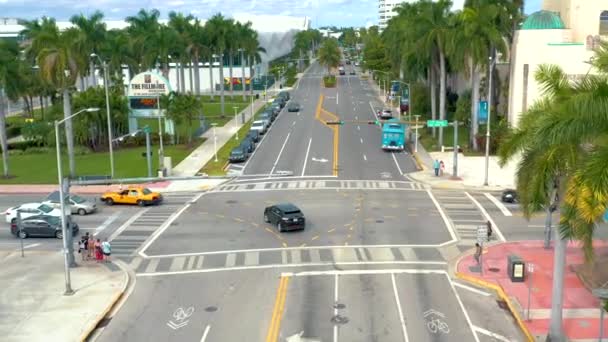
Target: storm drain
x=211 y=309
x=494 y=269
x=339 y=319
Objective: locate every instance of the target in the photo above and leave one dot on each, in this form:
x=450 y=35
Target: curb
x=91 y=328
x=499 y=291
x=419 y=164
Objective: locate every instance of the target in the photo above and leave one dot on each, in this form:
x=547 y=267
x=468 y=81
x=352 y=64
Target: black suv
x=248 y=145
x=237 y=155
x=286 y=216
x=285 y=95
x=254 y=135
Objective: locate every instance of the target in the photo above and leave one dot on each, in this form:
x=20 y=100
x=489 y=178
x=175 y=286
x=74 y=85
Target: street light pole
x=214 y=141
x=68 y=281
x=491 y=67
x=416 y=141
x=236 y=125
x=161 y=152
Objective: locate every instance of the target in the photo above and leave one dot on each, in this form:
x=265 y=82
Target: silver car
x=78 y=205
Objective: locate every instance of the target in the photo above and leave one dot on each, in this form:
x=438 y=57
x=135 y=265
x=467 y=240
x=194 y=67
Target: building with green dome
x=563 y=33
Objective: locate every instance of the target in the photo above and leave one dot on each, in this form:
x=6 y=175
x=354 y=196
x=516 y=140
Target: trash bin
x=516 y=268
x=257 y=96
x=162 y=173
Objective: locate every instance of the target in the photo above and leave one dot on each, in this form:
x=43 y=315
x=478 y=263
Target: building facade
x=563 y=33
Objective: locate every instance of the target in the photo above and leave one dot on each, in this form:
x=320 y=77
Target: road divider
x=277 y=312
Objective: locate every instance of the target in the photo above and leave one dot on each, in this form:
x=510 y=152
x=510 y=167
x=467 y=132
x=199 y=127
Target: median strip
x=277 y=312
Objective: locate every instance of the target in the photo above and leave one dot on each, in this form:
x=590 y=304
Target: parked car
x=31 y=209
x=284 y=94
x=293 y=107
x=385 y=114
x=254 y=135
x=285 y=216
x=238 y=155
x=352 y=72
x=259 y=125
x=276 y=107
x=132 y=195
x=43 y=226
x=281 y=101
x=78 y=205
x=274 y=113
x=509 y=196
x=348 y=62
x=248 y=145
x=266 y=116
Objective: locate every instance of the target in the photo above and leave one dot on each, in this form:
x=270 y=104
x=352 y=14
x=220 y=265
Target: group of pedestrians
x=439 y=167
x=90 y=248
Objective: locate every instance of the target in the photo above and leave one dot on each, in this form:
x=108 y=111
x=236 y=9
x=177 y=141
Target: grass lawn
x=217 y=169
x=431 y=144
x=129 y=162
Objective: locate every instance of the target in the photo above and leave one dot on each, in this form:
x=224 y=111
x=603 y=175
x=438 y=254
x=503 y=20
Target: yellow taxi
x=132 y=195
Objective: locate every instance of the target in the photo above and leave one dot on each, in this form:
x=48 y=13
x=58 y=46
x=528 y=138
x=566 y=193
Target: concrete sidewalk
x=192 y=164
x=580 y=308
x=33 y=306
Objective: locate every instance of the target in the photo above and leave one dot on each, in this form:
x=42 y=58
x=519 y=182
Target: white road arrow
x=298 y=338
x=176 y=326
x=322 y=160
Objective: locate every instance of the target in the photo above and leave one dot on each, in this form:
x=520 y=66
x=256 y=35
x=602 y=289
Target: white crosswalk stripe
x=319 y=184
x=463 y=213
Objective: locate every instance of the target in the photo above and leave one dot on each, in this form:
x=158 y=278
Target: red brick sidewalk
x=77 y=189
x=581 y=309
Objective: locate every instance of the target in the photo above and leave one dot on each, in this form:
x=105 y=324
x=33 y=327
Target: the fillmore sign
x=148 y=84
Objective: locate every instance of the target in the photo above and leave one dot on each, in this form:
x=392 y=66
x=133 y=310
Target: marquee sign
x=148 y=84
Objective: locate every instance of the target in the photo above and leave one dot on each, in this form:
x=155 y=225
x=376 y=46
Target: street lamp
x=416 y=141
x=68 y=258
x=602 y=295
x=109 y=120
x=491 y=68
x=236 y=127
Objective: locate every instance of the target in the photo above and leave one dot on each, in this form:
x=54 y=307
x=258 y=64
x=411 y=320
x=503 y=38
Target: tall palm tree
x=253 y=51
x=58 y=60
x=245 y=34
x=166 y=43
x=143 y=30
x=220 y=30
x=329 y=54
x=181 y=24
x=196 y=46
x=233 y=37
x=9 y=53
x=118 y=51
x=92 y=36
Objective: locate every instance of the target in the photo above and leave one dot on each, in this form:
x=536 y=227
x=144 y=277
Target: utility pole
x=161 y=152
x=148 y=154
x=416 y=141
x=455 y=171
x=491 y=68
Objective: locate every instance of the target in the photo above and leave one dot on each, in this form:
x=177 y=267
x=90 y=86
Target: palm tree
x=220 y=30
x=232 y=40
x=563 y=145
x=92 y=36
x=143 y=31
x=166 y=43
x=245 y=34
x=329 y=54
x=118 y=51
x=9 y=52
x=182 y=25
x=253 y=51
x=58 y=61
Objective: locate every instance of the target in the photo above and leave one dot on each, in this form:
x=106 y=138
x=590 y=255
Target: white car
x=259 y=125
x=31 y=209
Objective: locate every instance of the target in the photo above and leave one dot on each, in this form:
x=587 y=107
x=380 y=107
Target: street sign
x=482 y=112
x=437 y=123
x=147 y=129
x=482 y=234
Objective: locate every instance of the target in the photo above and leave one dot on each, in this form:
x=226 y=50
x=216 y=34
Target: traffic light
x=334 y=123
x=374 y=122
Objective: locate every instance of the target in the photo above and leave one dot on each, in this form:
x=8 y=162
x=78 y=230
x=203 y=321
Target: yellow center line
x=277 y=312
x=303 y=245
x=331 y=230
x=238 y=219
x=334 y=128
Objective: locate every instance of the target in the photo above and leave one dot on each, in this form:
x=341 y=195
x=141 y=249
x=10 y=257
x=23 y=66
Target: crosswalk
x=320 y=184
x=289 y=257
x=143 y=224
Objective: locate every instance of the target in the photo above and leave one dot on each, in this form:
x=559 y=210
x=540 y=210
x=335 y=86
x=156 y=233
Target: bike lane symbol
x=435 y=322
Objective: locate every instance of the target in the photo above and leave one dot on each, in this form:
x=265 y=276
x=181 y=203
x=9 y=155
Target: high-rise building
x=386 y=11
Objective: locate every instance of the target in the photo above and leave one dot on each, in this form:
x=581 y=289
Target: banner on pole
x=482 y=112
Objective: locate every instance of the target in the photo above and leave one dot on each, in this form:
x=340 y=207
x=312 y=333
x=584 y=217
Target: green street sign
x=147 y=129
x=437 y=123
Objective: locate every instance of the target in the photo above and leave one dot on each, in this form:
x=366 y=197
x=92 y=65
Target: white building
x=563 y=33
x=386 y=10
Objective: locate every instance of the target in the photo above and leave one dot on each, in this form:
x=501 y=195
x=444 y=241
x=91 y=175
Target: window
x=604 y=23
x=45 y=208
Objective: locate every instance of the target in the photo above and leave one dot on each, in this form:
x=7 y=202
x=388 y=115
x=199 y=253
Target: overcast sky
x=322 y=12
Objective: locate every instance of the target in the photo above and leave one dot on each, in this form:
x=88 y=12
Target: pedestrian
x=82 y=248
x=86 y=245
x=477 y=254
x=91 y=247
x=98 y=253
x=436 y=167
x=106 y=249
x=441 y=168
x=489 y=224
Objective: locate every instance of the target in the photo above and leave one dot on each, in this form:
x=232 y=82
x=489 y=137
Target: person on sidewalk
x=106 y=249
x=489 y=224
x=98 y=253
x=90 y=246
x=82 y=248
x=436 y=167
x=477 y=254
x=441 y=168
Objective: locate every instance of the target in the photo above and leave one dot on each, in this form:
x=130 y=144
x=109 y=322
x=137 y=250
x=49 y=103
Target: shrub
x=329 y=81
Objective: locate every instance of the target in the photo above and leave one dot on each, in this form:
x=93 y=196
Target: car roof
x=257 y=122
x=30 y=205
x=238 y=149
x=286 y=207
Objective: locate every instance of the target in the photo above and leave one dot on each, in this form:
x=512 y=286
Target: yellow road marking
x=331 y=230
x=348 y=224
x=284 y=245
x=303 y=245
x=351 y=228
x=277 y=312
x=238 y=219
x=334 y=128
x=220 y=216
x=315 y=237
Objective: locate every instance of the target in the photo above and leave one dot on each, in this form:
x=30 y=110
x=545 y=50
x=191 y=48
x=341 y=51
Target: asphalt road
x=302 y=143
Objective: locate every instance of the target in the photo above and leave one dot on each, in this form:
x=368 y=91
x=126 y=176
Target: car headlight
x=285 y=219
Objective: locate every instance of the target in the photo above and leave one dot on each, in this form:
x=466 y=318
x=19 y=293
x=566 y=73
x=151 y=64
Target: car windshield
x=146 y=191
x=257 y=124
x=45 y=208
x=292 y=212
x=53 y=220
x=77 y=199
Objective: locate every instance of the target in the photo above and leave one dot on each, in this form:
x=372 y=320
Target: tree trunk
x=243 y=75
x=182 y=75
x=197 y=81
x=442 y=93
x=3 y=138
x=211 y=77
x=251 y=76
x=191 y=73
x=41 y=99
x=433 y=86
x=231 y=62
x=556 y=332
x=92 y=73
x=177 y=78
x=69 y=134
x=82 y=83
x=474 y=106
x=222 y=85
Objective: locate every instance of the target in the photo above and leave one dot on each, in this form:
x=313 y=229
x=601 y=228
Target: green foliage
x=420 y=99
x=463 y=108
x=329 y=54
x=184 y=108
x=329 y=81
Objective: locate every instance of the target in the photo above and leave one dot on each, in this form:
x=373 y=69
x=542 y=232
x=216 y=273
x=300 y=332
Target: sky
x=322 y=12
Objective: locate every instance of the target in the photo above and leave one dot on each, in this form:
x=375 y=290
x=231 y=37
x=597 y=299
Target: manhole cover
x=231 y=201
x=338 y=319
x=211 y=309
x=379 y=221
x=494 y=269
x=339 y=306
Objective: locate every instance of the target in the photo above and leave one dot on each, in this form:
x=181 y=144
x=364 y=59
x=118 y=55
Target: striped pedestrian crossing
x=320 y=184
